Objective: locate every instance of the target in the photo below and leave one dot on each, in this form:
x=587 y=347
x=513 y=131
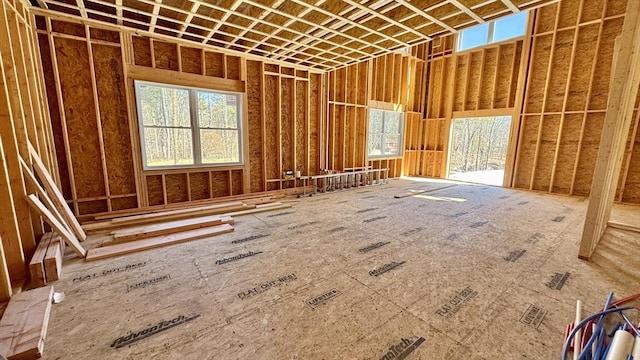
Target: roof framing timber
x=315 y=34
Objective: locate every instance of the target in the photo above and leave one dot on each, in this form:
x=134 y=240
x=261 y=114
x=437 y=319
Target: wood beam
x=154 y=15
x=263 y=14
x=223 y=20
x=83 y=10
x=388 y=19
x=467 y=11
x=349 y=21
x=118 y=11
x=425 y=15
x=187 y=21
x=310 y=23
x=623 y=90
x=511 y=6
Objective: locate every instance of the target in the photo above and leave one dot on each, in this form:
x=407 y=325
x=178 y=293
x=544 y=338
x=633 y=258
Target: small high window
x=385 y=133
x=505 y=28
x=182 y=127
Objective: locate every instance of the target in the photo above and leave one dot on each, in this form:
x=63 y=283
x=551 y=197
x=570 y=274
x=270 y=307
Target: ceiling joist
x=317 y=34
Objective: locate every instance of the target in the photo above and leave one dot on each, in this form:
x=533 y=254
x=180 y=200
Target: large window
x=385 y=133
x=182 y=126
x=505 y=28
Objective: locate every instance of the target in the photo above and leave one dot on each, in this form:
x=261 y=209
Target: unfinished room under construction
x=320 y=179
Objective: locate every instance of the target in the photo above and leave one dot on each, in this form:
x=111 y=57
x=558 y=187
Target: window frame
x=490 y=33
x=196 y=144
x=400 y=134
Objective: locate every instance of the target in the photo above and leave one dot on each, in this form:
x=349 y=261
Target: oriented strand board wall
x=24 y=120
x=456 y=84
x=90 y=71
x=558 y=112
x=565 y=100
x=384 y=82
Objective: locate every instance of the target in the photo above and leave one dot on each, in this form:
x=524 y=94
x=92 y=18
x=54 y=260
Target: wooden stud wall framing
x=385 y=82
x=25 y=120
x=91 y=67
x=477 y=82
x=622 y=99
x=565 y=100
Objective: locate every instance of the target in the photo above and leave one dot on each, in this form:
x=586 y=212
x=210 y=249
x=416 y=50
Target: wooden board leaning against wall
x=90 y=71
x=25 y=120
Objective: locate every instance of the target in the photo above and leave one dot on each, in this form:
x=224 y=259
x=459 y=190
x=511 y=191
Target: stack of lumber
x=24 y=324
x=232 y=208
x=46 y=264
x=49 y=203
x=136 y=233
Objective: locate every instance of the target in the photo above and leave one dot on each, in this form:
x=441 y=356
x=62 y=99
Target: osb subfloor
x=486 y=273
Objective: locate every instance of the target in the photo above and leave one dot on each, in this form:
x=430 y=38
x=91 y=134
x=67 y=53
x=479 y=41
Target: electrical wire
x=565 y=348
x=599 y=337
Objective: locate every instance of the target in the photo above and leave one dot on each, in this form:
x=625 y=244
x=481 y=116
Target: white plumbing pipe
x=636 y=349
x=621 y=346
x=577 y=340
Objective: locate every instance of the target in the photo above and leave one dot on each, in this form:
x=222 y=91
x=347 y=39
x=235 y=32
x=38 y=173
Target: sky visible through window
x=474 y=37
x=505 y=28
x=510 y=27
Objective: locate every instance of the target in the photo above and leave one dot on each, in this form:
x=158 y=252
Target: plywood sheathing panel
x=538 y=73
x=54 y=113
x=233 y=67
x=155 y=189
x=271 y=120
x=580 y=79
x=567 y=153
x=114 y=119
x=165 y=55
x=124 y=203
x=199 y=186
x=254 y=110
x=301 y=126
x=546 y=150
x=236 y=182
x=214 y=64
x=600 y=85
x=177 y=188
x=191 y=60
x=315 y=116
x=220 y=183
x=142 y=51
x=631 y=192
x=588 y=153
x=92 y=207
x=75 y=79
x=287 y=101
x=489 y=72
x=526 y=150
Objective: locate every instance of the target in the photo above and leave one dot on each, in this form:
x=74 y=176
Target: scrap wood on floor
x=135 y=233
x=156 y=242
x=169 y=227
x=23 y=326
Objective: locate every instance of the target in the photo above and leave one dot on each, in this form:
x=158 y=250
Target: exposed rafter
x=188 y=19
x=426 y=16
x=466 y=10
x=154 y=16
x=388 y=19
x=288 y=31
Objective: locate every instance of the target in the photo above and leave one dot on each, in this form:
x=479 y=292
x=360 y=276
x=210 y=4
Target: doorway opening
x=478 y=149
